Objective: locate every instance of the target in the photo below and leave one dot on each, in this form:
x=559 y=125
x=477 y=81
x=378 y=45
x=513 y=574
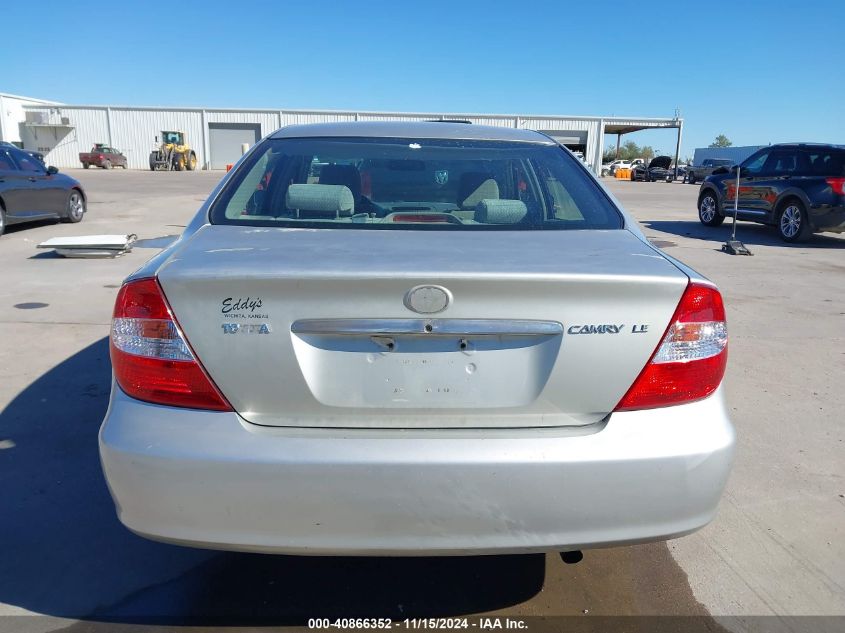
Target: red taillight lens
x=101 y=157
x=151 y=358
x=837 y=184
x=690 y=361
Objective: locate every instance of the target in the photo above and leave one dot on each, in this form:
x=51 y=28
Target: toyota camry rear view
x=415 y=338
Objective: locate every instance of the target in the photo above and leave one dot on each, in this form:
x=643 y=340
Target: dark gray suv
x=797 y=187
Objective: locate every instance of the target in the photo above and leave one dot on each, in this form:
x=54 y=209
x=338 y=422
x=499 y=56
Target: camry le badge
x=604 y=328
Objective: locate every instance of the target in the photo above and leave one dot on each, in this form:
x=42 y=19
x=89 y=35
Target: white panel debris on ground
x=91 y=245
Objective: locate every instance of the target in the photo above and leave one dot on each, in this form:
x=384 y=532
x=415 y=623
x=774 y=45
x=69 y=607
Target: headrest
x=500 y=211
x=342 y=175
x=476 y=186
x=331 y=200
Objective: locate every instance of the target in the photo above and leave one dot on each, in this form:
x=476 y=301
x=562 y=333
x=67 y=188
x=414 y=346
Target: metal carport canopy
x=627 y=128
x=622 y=126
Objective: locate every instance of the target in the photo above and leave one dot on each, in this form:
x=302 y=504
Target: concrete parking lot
x=776 y=548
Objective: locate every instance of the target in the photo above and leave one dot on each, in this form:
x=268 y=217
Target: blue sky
x=758 y=72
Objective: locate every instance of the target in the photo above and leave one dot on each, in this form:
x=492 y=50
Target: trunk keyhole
x=385 y=342
x=463 y=344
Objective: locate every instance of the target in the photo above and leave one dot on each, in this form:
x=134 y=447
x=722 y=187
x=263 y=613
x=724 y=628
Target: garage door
x=225 y=140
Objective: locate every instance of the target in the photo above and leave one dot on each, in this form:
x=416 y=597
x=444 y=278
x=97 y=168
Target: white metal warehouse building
x=60 y=131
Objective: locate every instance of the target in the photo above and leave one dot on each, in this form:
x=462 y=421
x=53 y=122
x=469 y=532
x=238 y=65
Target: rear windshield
x=413 y=184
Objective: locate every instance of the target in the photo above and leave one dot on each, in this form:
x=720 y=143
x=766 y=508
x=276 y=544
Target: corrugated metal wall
x=12 y=114
x=133 y=130
x=297 y=118
x=590 y=126
x=60 y=145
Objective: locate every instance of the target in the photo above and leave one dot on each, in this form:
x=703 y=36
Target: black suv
x=658 y=169
x=797 y=187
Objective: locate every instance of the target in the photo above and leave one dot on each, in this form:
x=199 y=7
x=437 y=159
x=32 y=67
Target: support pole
x=599 y=145
x=678 y=146
x=618 y=140
x=732 y=246
x=109 y=126
x=206 y=159
x=736 y=205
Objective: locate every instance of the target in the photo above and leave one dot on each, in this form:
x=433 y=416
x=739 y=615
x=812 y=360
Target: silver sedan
x=427 y=338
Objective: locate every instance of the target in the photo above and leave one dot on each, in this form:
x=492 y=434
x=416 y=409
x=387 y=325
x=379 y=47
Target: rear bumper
x=828 y=218
x=212 y=480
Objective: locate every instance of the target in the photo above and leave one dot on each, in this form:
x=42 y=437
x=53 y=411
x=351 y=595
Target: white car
x=610 y=168
x=415 y=338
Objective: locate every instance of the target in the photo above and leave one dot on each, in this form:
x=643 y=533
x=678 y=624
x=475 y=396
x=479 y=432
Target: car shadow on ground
x=748 y=233
x=64 y=553
x=25 y=226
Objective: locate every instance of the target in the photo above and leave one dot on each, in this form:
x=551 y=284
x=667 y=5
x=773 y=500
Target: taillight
x=837 y=184
x=690 y=361
x=151 y=358
x=101 y=157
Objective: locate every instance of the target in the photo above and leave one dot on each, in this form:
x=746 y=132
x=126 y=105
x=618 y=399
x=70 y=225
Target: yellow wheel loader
x=173 y=153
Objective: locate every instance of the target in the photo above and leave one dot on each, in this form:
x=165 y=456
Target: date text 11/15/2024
x=481 y=623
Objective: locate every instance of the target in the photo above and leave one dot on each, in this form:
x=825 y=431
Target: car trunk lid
x=318 y=328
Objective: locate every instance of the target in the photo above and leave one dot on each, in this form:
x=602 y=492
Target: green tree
x=628 y=151
x=721 y=141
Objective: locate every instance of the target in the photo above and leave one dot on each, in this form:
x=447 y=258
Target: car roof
x=815 y=145
x=413 y=129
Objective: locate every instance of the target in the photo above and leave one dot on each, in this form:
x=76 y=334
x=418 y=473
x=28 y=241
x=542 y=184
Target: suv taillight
x=837 y=184
x=151 y=358
x=690 y=361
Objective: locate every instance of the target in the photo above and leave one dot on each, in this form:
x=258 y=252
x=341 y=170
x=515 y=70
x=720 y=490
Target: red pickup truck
x=102 y=156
